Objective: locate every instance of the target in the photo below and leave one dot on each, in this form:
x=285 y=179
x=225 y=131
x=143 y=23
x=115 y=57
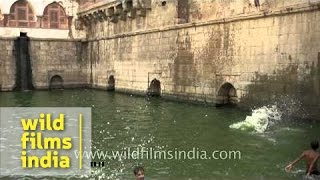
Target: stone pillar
x=70 y=18
x=39 y=22
x=6 y=20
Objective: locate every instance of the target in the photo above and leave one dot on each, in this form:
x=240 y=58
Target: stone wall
x=204 y=10
x=7 y=64
x=251 y=54
x=64 y=58
x=161 y=13
x=155 y=15
x=268 y=58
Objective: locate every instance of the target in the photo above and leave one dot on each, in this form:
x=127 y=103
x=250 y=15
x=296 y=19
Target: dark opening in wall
x=226 y=95
x=154 y=88
x=24 y=34
x=163 y=3
x=111 y=83
x=56 y=82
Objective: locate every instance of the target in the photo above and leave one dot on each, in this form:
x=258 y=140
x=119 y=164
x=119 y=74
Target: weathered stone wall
x=203 y=10
x=62 y=58
x=7 y=64
x=155 y=16
x=268 y=58
x=48 y=58
x=280 y=62
x=199 y=51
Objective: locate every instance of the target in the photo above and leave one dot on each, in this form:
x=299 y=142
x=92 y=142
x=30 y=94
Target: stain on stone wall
x=294 y=89
x=57 y=57
x=216 y=58
x=49 y=58
x=7 y=64
x=183 y=11
x=184 y=65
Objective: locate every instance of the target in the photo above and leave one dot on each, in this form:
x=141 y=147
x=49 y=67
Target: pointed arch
x=111 y=83
x=154 y=88
x=227 y=94
x=56 y=82
x=22 y=14
x=55 y=17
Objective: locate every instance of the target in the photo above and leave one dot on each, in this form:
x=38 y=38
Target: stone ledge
x=256 y=15
x=114 y=11
x=65 y=86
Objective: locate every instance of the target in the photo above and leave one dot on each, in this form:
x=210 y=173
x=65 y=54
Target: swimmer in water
x=139 y=173
x=311 y=156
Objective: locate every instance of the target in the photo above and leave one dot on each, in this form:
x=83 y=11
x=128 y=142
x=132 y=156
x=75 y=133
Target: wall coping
x=306 y=7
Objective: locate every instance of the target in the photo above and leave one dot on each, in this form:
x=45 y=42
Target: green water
x=123 y=121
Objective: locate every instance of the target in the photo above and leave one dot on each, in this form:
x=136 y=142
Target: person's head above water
x=139 y=173
x=314 y=145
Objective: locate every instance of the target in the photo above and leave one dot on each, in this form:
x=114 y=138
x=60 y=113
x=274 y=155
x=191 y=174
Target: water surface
x=122 y=121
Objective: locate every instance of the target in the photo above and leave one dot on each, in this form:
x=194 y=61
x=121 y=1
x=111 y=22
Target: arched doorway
x=154 y=88
x=56 y=82
x=227 y=95
x=111 y=83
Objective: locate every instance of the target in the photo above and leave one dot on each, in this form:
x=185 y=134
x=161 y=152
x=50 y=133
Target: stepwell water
x=266 y=141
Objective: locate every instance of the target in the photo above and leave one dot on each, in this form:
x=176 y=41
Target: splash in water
x=260 y=120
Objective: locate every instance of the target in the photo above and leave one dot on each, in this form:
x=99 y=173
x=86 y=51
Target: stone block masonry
x=63 y=59
x=258 y=54
x=59 y=58
x=7 y=64
x=261 y=59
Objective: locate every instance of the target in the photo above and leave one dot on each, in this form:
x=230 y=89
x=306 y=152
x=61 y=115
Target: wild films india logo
x=42 y=141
